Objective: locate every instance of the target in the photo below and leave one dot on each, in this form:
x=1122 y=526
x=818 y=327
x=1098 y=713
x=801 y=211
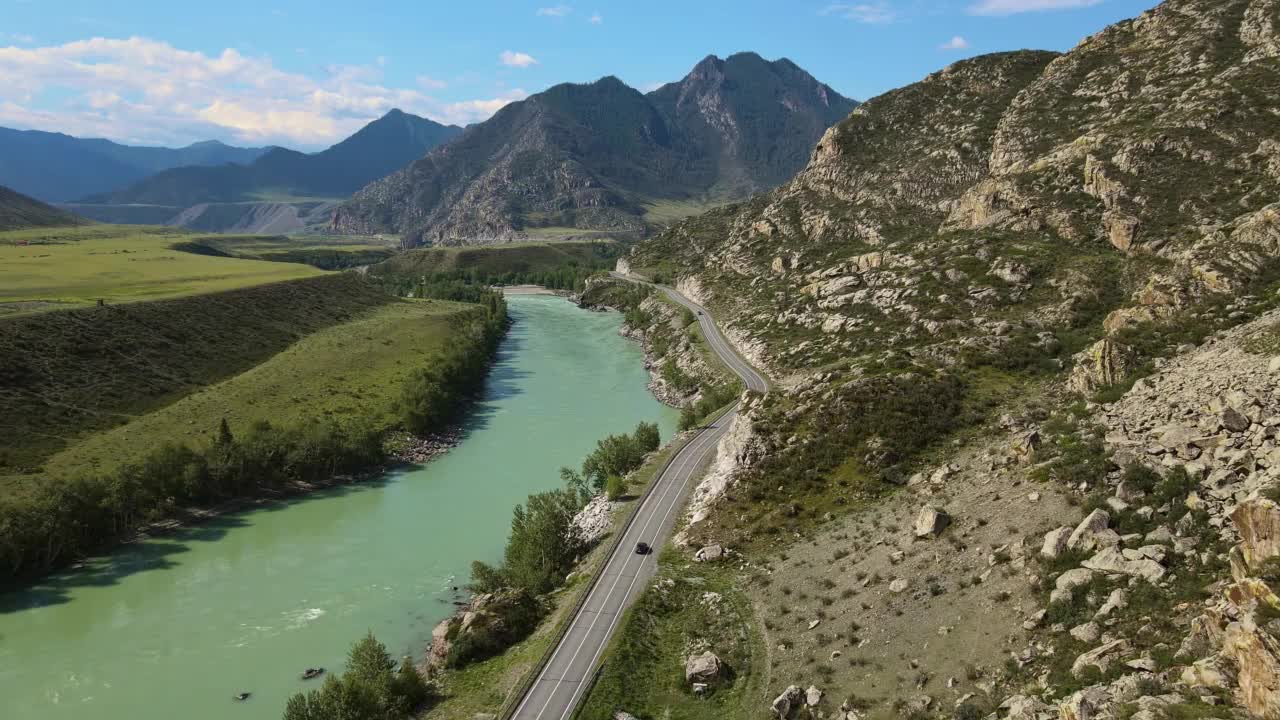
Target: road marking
x=683 y=457
x=573 y=700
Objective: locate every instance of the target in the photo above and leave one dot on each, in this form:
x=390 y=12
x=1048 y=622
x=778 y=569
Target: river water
x=174 y=627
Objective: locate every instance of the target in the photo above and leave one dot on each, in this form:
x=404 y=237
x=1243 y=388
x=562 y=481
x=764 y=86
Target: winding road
x=564 y=679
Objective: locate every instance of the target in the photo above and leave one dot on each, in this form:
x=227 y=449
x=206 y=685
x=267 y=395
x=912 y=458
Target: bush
x=614 y=487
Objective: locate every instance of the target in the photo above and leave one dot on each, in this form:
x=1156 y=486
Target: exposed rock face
x=1258 y=522
x=1103 y=364
x=594 y=521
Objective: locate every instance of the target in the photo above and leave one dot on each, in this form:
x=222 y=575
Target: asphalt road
x=561 y=684
x=753 y=380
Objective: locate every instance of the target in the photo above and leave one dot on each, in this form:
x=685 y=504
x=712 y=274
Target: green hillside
x=17 y=211
x=67 y=373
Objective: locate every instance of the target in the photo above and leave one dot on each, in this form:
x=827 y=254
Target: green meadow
x=118 y=264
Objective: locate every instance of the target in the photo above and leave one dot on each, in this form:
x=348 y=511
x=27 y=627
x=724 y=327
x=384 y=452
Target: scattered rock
x=812 y=696
x=899 y=585
x=1086 y=632
x=930 y=522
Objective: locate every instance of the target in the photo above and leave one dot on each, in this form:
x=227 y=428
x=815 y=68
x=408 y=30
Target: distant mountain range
x=17 y=211
x=59 y=168
x=604 y=156
x=379 y=148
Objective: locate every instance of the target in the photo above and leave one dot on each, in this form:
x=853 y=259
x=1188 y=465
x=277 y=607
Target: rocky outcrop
x=740 y=448
x=594 y=521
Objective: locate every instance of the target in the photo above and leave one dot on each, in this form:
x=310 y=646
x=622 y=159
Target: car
x=642 y=548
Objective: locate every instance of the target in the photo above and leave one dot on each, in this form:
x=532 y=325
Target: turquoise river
x=175 y=626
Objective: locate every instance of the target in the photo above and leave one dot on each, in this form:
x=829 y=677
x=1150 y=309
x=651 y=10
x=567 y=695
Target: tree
x=647 y=437
x=368 y=690
x=542 y=545
x=224 y=433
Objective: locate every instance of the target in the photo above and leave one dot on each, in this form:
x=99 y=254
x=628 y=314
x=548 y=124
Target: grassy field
x=66 y=374
x=353 y=369
x=499 y=259
x=118 y=264
x=669 y=212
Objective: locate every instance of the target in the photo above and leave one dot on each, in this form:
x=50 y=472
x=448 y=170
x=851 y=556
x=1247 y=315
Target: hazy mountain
x=591 y=156
x=57 y=168
x=18 y=211
x=381 y=147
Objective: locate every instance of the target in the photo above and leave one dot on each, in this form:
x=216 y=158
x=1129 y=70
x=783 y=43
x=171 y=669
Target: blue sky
x=306 y=74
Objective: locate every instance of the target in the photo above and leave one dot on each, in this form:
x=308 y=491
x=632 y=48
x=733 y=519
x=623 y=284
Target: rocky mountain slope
x=1023 y=318
x=58 y=168
x=591 y=156
x=381 y=147
x=18 y=211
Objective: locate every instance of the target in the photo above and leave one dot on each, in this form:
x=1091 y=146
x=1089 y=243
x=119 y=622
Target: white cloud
x=430 y=83
x=145 y=91
x=482 y=109
x=864 y=12
x=1012 y=7
x=596 y=19
x=516 y=59
x=556 y=11
x=955 y=43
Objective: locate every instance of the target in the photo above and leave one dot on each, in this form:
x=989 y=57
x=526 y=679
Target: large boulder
x=1114 y=561
x=710 y=553
x=788 y=700
x=1100 y=657
x=1103 y=364
x=1085 y=536
x=1055 y=542
x=704 y=668
x=930 y=522
x=1069 y=581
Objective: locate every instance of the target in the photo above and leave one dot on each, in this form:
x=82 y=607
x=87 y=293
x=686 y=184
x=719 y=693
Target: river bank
x=244 y=601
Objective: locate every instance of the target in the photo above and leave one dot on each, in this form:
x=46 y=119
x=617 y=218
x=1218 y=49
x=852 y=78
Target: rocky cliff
x=1021 y=458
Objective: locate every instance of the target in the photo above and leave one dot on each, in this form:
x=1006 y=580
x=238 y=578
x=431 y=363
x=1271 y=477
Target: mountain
x=1024 y=318
x=379 y=148
x=17 y=211
x=59 y=168
x=593 y=156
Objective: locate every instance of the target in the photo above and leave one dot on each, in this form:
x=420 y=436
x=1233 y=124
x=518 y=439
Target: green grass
x=500 y=259
x=119 y=264
x=353 y=369
x=668 y=212
x=67 y=374
x=320 y=251
x=644 y=665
